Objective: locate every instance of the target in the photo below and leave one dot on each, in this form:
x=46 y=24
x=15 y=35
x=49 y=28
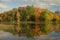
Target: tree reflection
x=31 y=29
x=56 y=27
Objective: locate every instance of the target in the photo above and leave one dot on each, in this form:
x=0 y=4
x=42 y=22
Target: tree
x=45 y=16
x=10 y=15
x=31 y=10
x=23 y=15
x=57 y=12
x=58 y=15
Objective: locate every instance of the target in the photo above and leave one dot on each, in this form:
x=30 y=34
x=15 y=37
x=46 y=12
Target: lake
x=30 y=31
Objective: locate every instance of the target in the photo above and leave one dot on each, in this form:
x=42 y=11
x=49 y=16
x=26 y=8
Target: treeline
x=30 y=13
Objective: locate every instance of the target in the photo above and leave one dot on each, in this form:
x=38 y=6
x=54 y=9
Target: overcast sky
x=52 y=5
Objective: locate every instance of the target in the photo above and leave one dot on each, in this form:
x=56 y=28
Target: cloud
x=45 y=3
x=3 y=7
x=25 y=0
x=21 y=0
x=53 y=1
x=23 y=5
x=32 y=0
x=38 y=3
x=42 y=5
x=5 y=0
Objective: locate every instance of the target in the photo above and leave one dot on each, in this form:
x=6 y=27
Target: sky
x=52 y=5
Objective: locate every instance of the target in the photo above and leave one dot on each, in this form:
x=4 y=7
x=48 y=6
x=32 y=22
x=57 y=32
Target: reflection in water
x=56 y=27
x=30 y=30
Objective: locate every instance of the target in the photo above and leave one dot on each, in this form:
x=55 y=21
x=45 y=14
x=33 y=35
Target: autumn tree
x=23 y=13
x=31 y=11
x=58 y=15
x=45 y=16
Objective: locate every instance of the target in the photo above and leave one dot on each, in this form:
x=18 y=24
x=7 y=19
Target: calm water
x=16 y=32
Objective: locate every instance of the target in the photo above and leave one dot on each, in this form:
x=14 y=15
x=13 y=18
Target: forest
x=30 y=13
